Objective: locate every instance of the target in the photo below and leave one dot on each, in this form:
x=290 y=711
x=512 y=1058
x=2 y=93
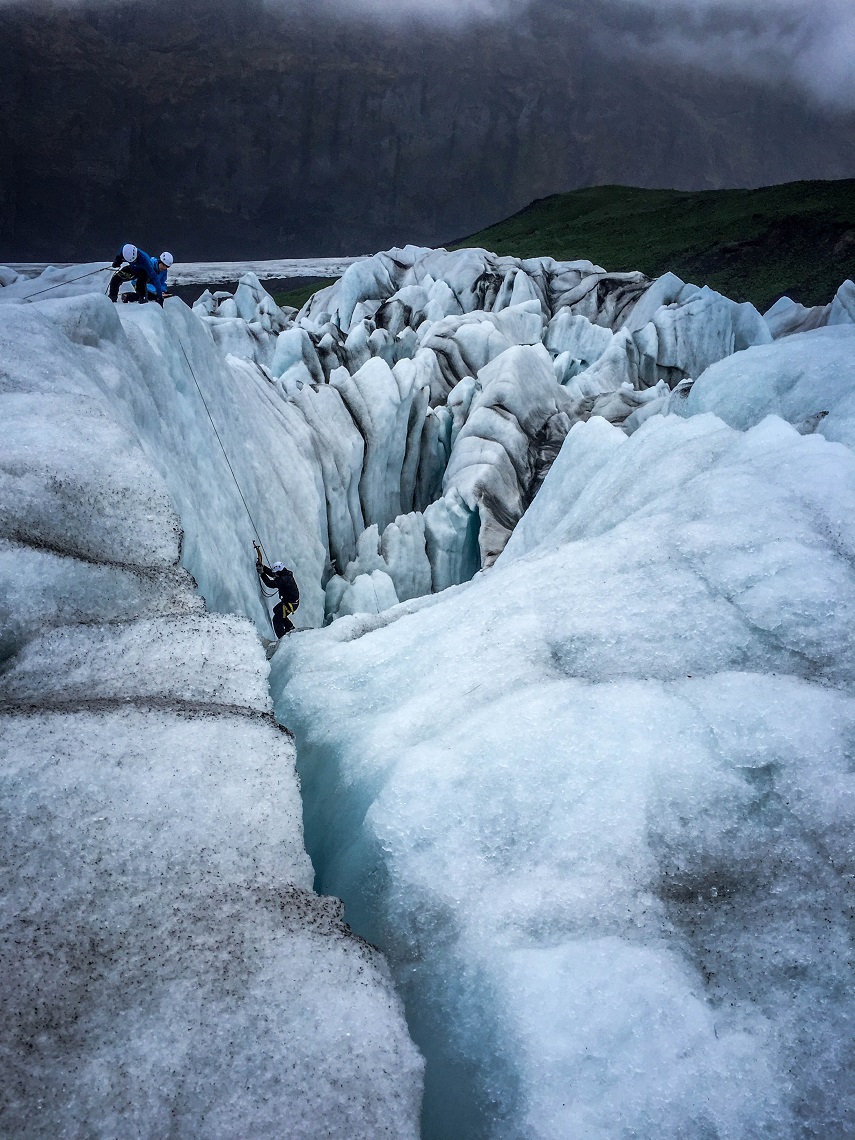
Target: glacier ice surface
x=596 y=805
x=806 y=378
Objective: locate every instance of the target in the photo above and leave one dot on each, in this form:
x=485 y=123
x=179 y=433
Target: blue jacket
x=161 y=278
x=144 y=264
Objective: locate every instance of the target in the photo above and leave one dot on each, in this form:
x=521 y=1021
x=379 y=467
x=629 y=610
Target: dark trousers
x=282 y=623
x=140 y=281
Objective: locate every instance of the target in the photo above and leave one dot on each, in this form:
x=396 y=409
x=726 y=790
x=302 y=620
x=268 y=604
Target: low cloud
x=402 y=12
x=807 y=43
x=810 y=43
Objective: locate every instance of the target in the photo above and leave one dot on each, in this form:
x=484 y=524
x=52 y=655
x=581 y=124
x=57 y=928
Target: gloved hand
x=117 y=261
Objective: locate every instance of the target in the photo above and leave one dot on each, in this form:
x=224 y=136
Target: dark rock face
x=245 y=129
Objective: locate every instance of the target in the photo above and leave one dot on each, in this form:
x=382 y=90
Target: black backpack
x=286 y=584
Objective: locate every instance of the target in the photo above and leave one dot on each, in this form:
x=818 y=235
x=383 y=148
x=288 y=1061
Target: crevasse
x=594 y=804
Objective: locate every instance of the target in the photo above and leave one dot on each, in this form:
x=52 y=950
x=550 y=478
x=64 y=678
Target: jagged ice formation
x=594 y=802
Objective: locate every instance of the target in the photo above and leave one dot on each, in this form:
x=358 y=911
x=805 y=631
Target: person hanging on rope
x=280 y=578
x=134 y=264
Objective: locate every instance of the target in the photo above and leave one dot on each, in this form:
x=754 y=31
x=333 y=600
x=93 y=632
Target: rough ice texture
x=54 y=282
x=421 y=382
x=807 y=379
x=41 y=589
x=165 y=968
x=597 y=804
x=787 y=316
x=206 y=658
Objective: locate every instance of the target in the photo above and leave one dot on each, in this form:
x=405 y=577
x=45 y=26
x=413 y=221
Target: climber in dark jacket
x=280 y=578
x=135 y=265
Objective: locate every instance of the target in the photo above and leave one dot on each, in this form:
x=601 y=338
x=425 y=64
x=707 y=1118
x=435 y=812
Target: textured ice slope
x=102 y=396
x=597 y=805
x=165 y=968
x=807 y=378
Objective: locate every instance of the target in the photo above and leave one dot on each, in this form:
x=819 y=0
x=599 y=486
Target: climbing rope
x=264 y=592
x=59 y=284
x=219 y=440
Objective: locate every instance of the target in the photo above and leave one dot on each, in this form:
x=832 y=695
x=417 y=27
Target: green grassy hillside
x=796 y=239
x=297 y=297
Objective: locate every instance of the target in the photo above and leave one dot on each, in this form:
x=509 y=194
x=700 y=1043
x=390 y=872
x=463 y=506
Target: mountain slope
x=796 y=239
x=254 y=129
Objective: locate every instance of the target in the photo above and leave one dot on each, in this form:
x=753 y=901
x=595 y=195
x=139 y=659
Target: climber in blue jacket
x=163 y=264
x=134 y=264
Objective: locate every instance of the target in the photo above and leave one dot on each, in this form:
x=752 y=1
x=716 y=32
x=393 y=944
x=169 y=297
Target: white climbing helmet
x=277 y=566
x=167 y=259
x=129 y=252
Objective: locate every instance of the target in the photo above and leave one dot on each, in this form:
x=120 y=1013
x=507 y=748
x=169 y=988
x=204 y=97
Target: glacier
x=571 y=701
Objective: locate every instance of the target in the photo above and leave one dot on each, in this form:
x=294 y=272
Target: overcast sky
x=807 y=42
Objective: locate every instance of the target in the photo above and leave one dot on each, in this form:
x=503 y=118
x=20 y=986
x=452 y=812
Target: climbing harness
x=260 y=545
x=59 y=284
